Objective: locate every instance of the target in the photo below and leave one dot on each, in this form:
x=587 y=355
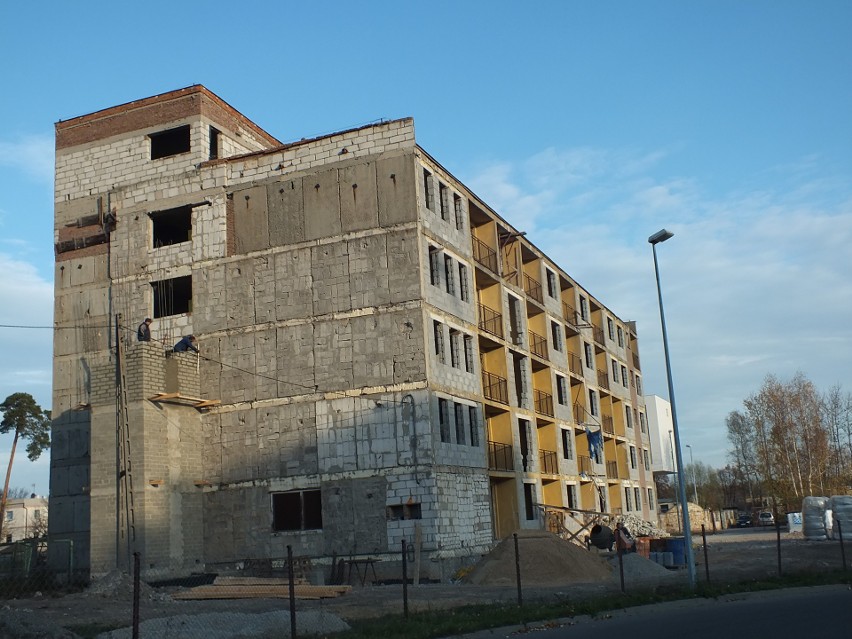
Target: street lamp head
x=660 y=236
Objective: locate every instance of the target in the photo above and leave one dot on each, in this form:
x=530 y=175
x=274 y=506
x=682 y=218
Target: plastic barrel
x=677 y=547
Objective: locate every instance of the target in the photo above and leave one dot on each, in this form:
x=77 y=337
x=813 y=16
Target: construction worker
x=186 y=344
x=143 y=332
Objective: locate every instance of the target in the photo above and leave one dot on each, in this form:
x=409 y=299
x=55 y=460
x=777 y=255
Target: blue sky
x=590 y=125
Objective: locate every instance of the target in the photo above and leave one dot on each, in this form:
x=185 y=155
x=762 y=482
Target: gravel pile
x=545 y=559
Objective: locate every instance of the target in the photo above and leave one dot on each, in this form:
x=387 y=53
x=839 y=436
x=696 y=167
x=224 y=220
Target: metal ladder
x=125 y=466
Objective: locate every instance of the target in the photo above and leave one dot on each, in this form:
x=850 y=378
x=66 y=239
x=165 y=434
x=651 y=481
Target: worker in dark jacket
x=186 y=344
x=143 y=332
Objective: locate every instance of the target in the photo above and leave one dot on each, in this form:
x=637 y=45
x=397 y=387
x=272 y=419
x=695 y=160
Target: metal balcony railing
x=538 y=345
x=599 y=335
x=500 y=456
x=532 y=287
x=570 y=315
x=484 y=254
x=575 y=364
x=612 y=469
x=607 y=425
x=495 y=388
x=584 y=464
x=490 y=321
x=548 y=462
x=543 y=402
x=603 y=380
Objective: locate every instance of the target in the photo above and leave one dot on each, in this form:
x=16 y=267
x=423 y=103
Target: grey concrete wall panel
x=237 y=380
x=266 y=361
x=295 y=360
x=251 y=220
x=239 y=284
x=368 y=271
x=396 y=190
x=287 y=440
x=322 y=205
x=210 y=370
x=359 y=208
x=239 y=446
x=409 y=354
x=403 y=266
x=333 y=355
x=293 y=284
x=354 y=520
x=330 y=277
x=264 y=289
x=286 y=212
x=211 y=448
x=209 y=294
x=88 y=311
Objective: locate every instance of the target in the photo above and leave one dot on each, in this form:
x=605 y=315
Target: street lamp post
x=694 y=483
x=656 y=238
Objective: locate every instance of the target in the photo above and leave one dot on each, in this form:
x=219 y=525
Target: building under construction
x=382 y=356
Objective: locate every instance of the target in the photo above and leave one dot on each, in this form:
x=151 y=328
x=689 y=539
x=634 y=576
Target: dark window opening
x=214 y=142
x=172 y=226
x=529 y=511
x=404 y=511
x=444 y=419
x=298 y=510
x=172 y=297
x=171 y=142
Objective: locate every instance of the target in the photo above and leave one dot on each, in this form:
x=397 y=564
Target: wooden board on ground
x=261 y=591
x=256 y=581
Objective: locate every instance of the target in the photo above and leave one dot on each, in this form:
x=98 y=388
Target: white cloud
x=754 y=281
x=33 y=155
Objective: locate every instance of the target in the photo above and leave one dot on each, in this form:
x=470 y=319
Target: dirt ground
x=733 y=555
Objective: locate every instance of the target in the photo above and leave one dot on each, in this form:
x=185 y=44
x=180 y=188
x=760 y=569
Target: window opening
x=572 y=495
x=297 y=510
x=171 y=226
x=214 y=142
x=587 y=351
x=428 y=190
x=455 y=348
x=551 y=284
x=473 y=418
x=448 y=272
x=556 y=332
x=459 y=212
x=438 y=330
x=567 y=444
x=633 y=457
x=528 y=502
x=637 y=498
x=464 y=287
x=523 y=432
x=171 y=142
x=173 y=296
x=468 y=353
x=620 y=338
x=443 y=193
x=434 y=270
x=461 y=438
x=561 y=390
x=444 y=419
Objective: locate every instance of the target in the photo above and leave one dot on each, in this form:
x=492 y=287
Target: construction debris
x=259 y=588
x=638 y=527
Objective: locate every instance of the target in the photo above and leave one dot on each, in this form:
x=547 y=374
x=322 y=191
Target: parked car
x=766 y=518
x=744 y=521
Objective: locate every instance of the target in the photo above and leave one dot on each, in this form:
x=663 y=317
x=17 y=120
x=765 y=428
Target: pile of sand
x=117 y=585
x=545 y=560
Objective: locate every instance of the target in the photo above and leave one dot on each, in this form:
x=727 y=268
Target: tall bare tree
x=26 y=419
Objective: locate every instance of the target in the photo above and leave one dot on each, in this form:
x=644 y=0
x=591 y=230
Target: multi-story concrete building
x=383 y=357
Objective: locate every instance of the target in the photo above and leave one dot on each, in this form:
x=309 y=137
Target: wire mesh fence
x=298 y=597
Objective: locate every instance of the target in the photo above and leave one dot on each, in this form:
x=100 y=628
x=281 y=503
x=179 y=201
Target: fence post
x=518 y=572
x=404 y=579
x=704 y=542
x=136 y=595
x=292 y=585
x=842 y=548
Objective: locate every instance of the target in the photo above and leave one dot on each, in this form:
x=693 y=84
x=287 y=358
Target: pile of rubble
x=638 y=527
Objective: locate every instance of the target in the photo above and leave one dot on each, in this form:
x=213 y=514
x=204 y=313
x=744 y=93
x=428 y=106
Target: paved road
x=823 y=612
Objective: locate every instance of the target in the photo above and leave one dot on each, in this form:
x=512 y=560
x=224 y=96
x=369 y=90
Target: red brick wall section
x=150 y=112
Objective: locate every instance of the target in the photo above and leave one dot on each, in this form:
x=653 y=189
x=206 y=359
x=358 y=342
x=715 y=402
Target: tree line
x=791 y=441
